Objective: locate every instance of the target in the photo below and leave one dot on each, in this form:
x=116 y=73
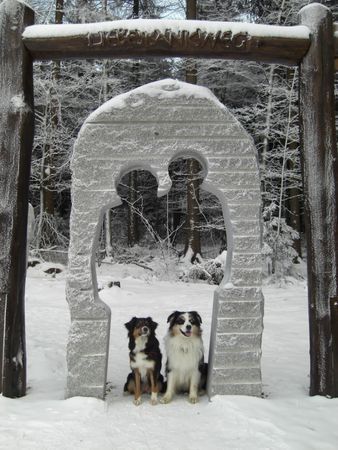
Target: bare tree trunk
x=105 y=7
x=269 y=109
x=133 y=222
x=47 y=200
x=49 y=203
x=294 y=193
x=136 y=9
x=191 y=9
x=192 y=239
x=268 y=121
x=294 y=212
x=108 y=215
x=192 y=236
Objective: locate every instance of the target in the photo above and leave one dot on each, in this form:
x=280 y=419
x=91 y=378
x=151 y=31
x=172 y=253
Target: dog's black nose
x=188 y=327
x=145 y=330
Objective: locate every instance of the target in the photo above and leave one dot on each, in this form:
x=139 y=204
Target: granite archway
x=147 y=128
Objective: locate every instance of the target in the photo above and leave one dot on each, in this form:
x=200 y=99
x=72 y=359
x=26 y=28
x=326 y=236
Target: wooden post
x=16 y=139
x=334 y=325
x=319 y=166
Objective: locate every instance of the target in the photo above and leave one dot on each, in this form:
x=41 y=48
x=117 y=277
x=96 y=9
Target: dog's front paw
x=166 y=399
x=137 y=401
x=153 y=399
x=193 y=399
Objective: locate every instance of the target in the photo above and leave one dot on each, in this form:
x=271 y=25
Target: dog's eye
x=180 y=321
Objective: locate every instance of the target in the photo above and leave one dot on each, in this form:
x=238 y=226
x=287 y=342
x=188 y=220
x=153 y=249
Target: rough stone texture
x=89 y=367
x=246 y=276
x=230 y=293
x=238 y=309
x=146 y=129
x=237 y=359
x=253 y=389
x=248 y=260
x=235 y=325
x=247 y=244
x=239 y=341
x=240 y=374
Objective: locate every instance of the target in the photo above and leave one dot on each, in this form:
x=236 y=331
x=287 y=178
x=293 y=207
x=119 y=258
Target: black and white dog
x=186 y=370
x=145 y=360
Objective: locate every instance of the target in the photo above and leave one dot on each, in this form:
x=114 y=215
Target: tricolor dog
x=186 y=370
x=145 y=360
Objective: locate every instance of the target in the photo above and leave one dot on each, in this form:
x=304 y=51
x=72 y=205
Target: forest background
x=187 y=224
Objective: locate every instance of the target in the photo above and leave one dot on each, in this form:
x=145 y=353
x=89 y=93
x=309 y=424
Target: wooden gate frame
x=313 y=46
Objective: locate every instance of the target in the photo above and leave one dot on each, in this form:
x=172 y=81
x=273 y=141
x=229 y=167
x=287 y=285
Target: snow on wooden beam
x=169 y=38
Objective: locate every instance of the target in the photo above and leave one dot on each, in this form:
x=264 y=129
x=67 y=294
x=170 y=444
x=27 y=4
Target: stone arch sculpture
x=147 y=128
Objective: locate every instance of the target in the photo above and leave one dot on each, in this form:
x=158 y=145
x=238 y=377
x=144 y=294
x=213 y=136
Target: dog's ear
x=153 y=325
x=131 y=324
x=173 y=316
x=196 y=316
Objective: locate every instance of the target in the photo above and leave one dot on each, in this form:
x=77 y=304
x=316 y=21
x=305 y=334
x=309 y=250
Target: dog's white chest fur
x=140 y=358
x=183 y=356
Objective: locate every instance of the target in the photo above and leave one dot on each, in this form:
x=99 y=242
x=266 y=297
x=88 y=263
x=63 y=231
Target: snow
x=221 y=258
x=152 y=25
x=312 y=14
x=18 y=101
x=287 y=418
x=162 y=89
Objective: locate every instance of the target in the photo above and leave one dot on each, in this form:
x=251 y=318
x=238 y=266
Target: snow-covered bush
x=278 y=251
x=210 y=270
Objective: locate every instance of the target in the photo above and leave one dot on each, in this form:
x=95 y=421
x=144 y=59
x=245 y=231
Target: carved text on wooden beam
x=133 y=40
x=183 y=38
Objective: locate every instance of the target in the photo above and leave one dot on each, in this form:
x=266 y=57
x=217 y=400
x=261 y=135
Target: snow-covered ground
x=287 y=418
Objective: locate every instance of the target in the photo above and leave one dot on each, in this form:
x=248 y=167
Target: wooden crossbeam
x=169 y=38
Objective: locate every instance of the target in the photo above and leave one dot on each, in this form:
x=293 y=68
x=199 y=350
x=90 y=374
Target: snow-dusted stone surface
x=147 y=128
